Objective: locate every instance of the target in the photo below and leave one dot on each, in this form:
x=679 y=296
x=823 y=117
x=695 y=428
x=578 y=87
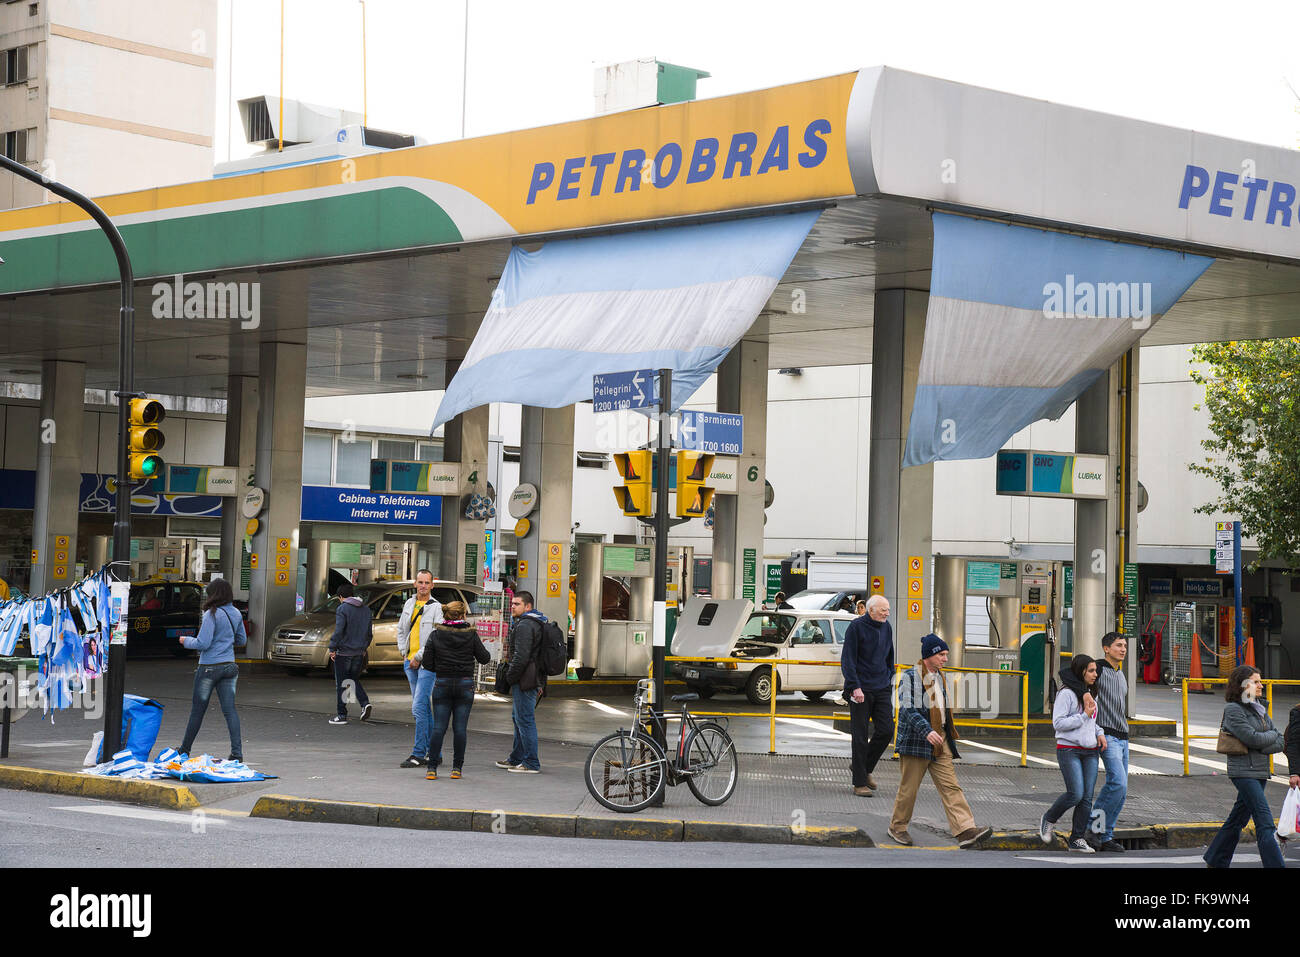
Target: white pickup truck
x=732 y=629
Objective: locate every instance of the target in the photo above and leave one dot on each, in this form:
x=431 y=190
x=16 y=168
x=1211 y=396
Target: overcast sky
x=1195 y=64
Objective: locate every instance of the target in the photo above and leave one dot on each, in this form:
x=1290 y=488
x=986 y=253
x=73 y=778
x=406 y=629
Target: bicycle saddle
x=692 y=696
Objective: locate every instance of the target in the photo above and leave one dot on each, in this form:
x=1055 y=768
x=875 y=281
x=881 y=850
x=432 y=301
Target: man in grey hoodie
x=353 y=630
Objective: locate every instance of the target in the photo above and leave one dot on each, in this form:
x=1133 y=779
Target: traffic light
x=635 y=495
x=145 y=439
x=694 y=495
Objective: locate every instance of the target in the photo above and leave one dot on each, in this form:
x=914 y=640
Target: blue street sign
x=616 y=391
x=721 y=433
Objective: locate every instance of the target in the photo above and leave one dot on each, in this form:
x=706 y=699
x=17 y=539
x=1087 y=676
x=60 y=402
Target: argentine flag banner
x=1021 y=321
x=676 y=298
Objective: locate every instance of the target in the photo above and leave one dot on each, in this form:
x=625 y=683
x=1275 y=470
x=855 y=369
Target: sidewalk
x=286 y=733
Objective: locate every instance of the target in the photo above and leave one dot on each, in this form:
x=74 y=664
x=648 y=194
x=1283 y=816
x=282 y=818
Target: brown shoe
x=871 y=782
x=972 y=836
x=864 y=792
x=900 y=837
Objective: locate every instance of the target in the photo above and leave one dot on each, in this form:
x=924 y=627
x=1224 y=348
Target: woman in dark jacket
x=1245 y=717
x=453 y=649
x=1292 y=747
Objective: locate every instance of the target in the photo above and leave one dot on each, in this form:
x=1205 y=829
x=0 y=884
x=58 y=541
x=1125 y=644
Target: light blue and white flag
x=1021 y=321
x=676 y=298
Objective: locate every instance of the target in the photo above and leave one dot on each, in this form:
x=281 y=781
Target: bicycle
x=628 y=770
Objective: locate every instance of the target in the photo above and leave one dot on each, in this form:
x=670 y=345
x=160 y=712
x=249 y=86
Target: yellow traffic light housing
x=635 y=495
x=694 y=494
x=144 y=438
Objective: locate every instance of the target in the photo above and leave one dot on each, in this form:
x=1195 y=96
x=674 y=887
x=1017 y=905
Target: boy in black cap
x=927 y=741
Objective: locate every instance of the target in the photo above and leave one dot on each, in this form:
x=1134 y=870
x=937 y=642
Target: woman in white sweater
x=1078 y=743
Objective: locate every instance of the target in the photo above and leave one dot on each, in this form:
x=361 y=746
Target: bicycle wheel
x=626 y=771
x=711 y=761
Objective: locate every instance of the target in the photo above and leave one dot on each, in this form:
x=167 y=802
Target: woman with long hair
x=1245 y=718
x=221 y=630
x=1078 y=743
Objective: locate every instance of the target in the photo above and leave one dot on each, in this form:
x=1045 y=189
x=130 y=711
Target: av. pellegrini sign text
x=1052 y=474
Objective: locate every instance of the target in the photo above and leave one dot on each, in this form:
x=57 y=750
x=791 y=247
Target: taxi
x=161 y=610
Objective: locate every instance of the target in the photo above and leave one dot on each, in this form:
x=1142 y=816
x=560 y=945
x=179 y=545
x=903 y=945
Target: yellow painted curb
x=164 y=794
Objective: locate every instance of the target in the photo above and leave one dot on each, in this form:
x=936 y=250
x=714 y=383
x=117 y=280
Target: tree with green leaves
x=1252 y=392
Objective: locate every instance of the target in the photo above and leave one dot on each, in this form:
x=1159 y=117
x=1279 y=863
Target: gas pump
x=1005 y=616
x=611 y=647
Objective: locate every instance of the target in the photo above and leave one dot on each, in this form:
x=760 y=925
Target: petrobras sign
x=1238 y=194
x=1052 y=474
x=735 y=154
x=324 y=503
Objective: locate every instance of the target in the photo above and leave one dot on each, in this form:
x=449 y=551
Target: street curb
x=163 y=794
x=1160 y=835
x=288 y=808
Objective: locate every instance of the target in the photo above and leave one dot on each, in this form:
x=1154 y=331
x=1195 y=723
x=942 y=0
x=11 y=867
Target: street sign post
x=618 y=391
x=720 y=433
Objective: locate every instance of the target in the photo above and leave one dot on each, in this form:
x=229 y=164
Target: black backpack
x=552 y=650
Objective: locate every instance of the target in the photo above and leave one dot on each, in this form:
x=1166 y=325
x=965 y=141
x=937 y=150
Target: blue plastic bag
x=141 y=722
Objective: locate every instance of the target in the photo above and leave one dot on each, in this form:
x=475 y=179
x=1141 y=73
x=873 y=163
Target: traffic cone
x=1248 y=652
x=1193 y=683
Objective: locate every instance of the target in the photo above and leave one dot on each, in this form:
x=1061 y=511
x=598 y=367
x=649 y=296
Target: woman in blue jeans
x=453 y=650
x=1245 y=717
x=221 y=630
x=1078 y=742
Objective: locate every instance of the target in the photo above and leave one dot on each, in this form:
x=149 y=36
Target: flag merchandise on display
x=57 y=626
x=200 y=769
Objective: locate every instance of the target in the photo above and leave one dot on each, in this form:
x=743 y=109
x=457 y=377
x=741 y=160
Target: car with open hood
x=302 y=643
x=733 y=629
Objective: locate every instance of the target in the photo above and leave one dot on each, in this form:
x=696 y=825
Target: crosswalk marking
x=170 y=817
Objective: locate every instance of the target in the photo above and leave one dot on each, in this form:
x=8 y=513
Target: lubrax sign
x=1052 y=474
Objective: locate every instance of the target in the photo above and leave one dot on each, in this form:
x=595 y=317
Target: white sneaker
x=505 y=765
x=520 y=769
x=1045 y=829
x=1080 y=846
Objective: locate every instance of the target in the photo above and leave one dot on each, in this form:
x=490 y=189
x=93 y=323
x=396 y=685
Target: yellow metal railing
x=1022 y=725
x=1187 y=738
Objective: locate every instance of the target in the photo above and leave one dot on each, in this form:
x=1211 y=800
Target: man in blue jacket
x=353 y=631
x=868 y=666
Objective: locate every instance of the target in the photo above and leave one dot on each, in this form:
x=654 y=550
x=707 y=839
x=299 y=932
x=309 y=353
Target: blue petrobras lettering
x=629 y=171
x=778 y=151
x=568 y=188
x=598 y=163
x=673 y=153
x=543 y=176
x=1229 y=194
x=740 y=154
x=1222 y=193
x=816 y=145
x=747 y=153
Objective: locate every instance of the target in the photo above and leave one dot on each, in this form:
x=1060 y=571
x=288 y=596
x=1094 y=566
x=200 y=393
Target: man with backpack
x=532 y=652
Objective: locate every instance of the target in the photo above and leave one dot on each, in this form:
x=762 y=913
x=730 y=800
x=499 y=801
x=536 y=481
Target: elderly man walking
x=927 y=741
x=867 y=663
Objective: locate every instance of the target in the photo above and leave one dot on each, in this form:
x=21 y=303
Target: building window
x=317 y=459
x=390 y=449
x=510 y=453
x=16 y=65
x=32 y=8
x=431 y=452
x=352 y=462
x=16 y=145
x=593 y=460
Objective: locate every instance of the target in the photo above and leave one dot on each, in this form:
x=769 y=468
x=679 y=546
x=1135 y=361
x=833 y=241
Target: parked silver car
x=302 y=642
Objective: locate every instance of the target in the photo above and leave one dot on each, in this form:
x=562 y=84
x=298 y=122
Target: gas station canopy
x=384 y=265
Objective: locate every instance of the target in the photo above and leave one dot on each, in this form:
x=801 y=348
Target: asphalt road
x=46 y=830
